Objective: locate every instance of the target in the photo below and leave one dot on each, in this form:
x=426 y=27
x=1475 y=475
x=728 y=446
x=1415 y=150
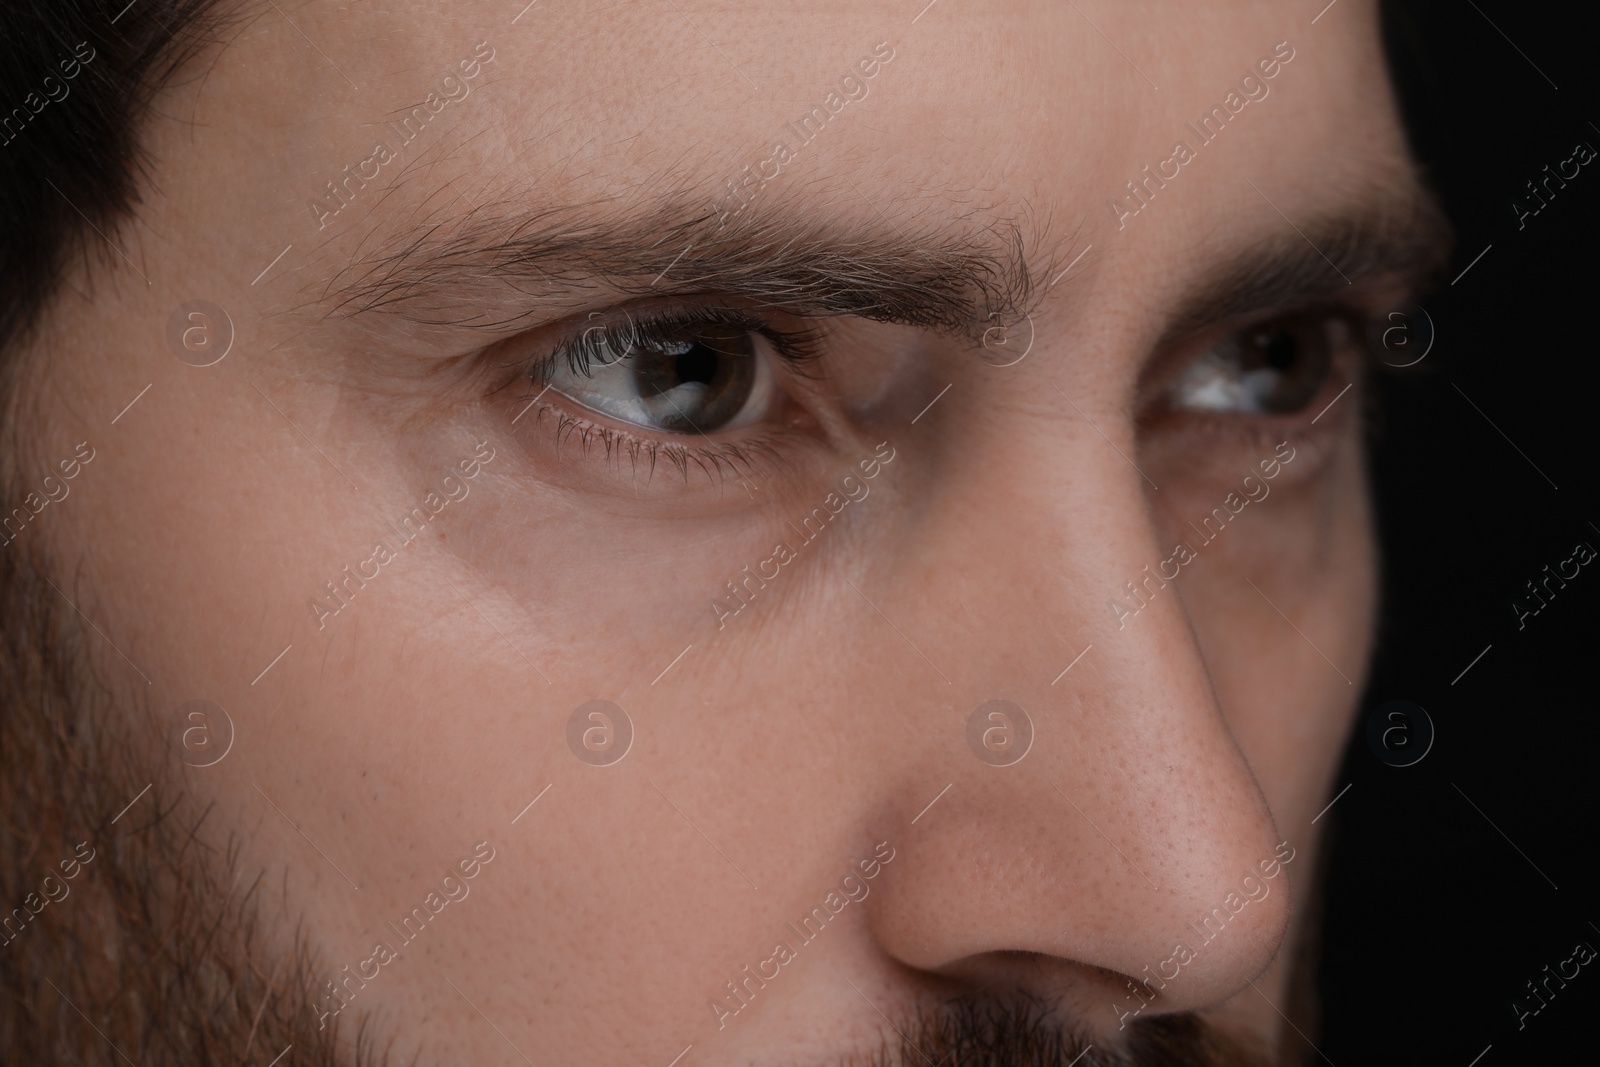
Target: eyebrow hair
x=956 y=280
x=502 y=268
x=1397 y=237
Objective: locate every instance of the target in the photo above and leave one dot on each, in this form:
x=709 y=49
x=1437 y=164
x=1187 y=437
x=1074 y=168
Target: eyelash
x=754 y=458
x=1262 y=431
x=583 y=351
x=799 y=348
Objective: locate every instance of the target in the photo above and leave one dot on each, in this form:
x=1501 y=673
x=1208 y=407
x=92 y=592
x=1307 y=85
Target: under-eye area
x=895 y=533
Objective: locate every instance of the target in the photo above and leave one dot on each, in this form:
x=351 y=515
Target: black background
x=1434 y=919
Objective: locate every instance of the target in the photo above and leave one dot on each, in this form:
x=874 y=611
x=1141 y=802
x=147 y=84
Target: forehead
x=347 y=130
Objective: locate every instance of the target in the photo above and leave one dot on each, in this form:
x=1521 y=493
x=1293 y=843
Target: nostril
x=1023 y=1028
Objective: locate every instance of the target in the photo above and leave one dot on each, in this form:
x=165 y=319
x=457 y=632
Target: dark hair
x=165 y=950
x=70 y=164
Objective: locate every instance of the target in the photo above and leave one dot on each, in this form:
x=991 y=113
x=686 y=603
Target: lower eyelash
x=719 y=461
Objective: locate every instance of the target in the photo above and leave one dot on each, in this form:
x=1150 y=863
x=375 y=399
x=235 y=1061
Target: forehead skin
x=412 y=726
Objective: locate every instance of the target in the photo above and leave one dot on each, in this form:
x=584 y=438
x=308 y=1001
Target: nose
x=1132 y=839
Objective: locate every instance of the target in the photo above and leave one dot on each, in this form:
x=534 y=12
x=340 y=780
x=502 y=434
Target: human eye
x=694 y=371
x=1219 y=397
x=1277 y=367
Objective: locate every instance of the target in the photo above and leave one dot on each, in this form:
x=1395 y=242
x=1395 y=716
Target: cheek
x=1314 y=556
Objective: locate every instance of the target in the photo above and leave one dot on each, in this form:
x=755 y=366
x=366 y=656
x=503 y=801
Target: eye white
x=613 y=388
x=1215 y=382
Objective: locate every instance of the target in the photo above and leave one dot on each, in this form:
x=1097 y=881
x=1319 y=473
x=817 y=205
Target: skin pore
x=399 y=534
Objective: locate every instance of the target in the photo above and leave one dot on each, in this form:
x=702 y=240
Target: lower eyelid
x=692 y=458
x=1217 y=446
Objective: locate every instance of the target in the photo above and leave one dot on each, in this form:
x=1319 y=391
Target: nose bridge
x=1047 y=549
x=1058 y=570
x=1136 y=813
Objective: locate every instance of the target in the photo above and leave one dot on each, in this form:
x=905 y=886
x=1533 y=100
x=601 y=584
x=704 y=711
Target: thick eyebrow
x=487 y=268
x=502 y=268
x=1395 y=238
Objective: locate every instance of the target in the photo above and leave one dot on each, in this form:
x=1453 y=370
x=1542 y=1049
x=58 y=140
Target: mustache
x=1022 y=1031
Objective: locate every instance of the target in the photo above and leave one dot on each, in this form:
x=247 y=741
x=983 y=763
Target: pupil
x=697 y=364
x=699 y=380
x=1280 y=351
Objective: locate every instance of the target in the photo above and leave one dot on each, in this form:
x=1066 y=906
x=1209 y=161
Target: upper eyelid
x=1367 y=299
x=1176 y=355
x=673 y=445
x=799 y=347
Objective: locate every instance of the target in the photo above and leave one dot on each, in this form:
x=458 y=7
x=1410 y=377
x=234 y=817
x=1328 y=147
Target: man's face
x=536 y=397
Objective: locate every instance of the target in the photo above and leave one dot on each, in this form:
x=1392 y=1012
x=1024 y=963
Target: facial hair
x=161 y=950
x=1021 y=1031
